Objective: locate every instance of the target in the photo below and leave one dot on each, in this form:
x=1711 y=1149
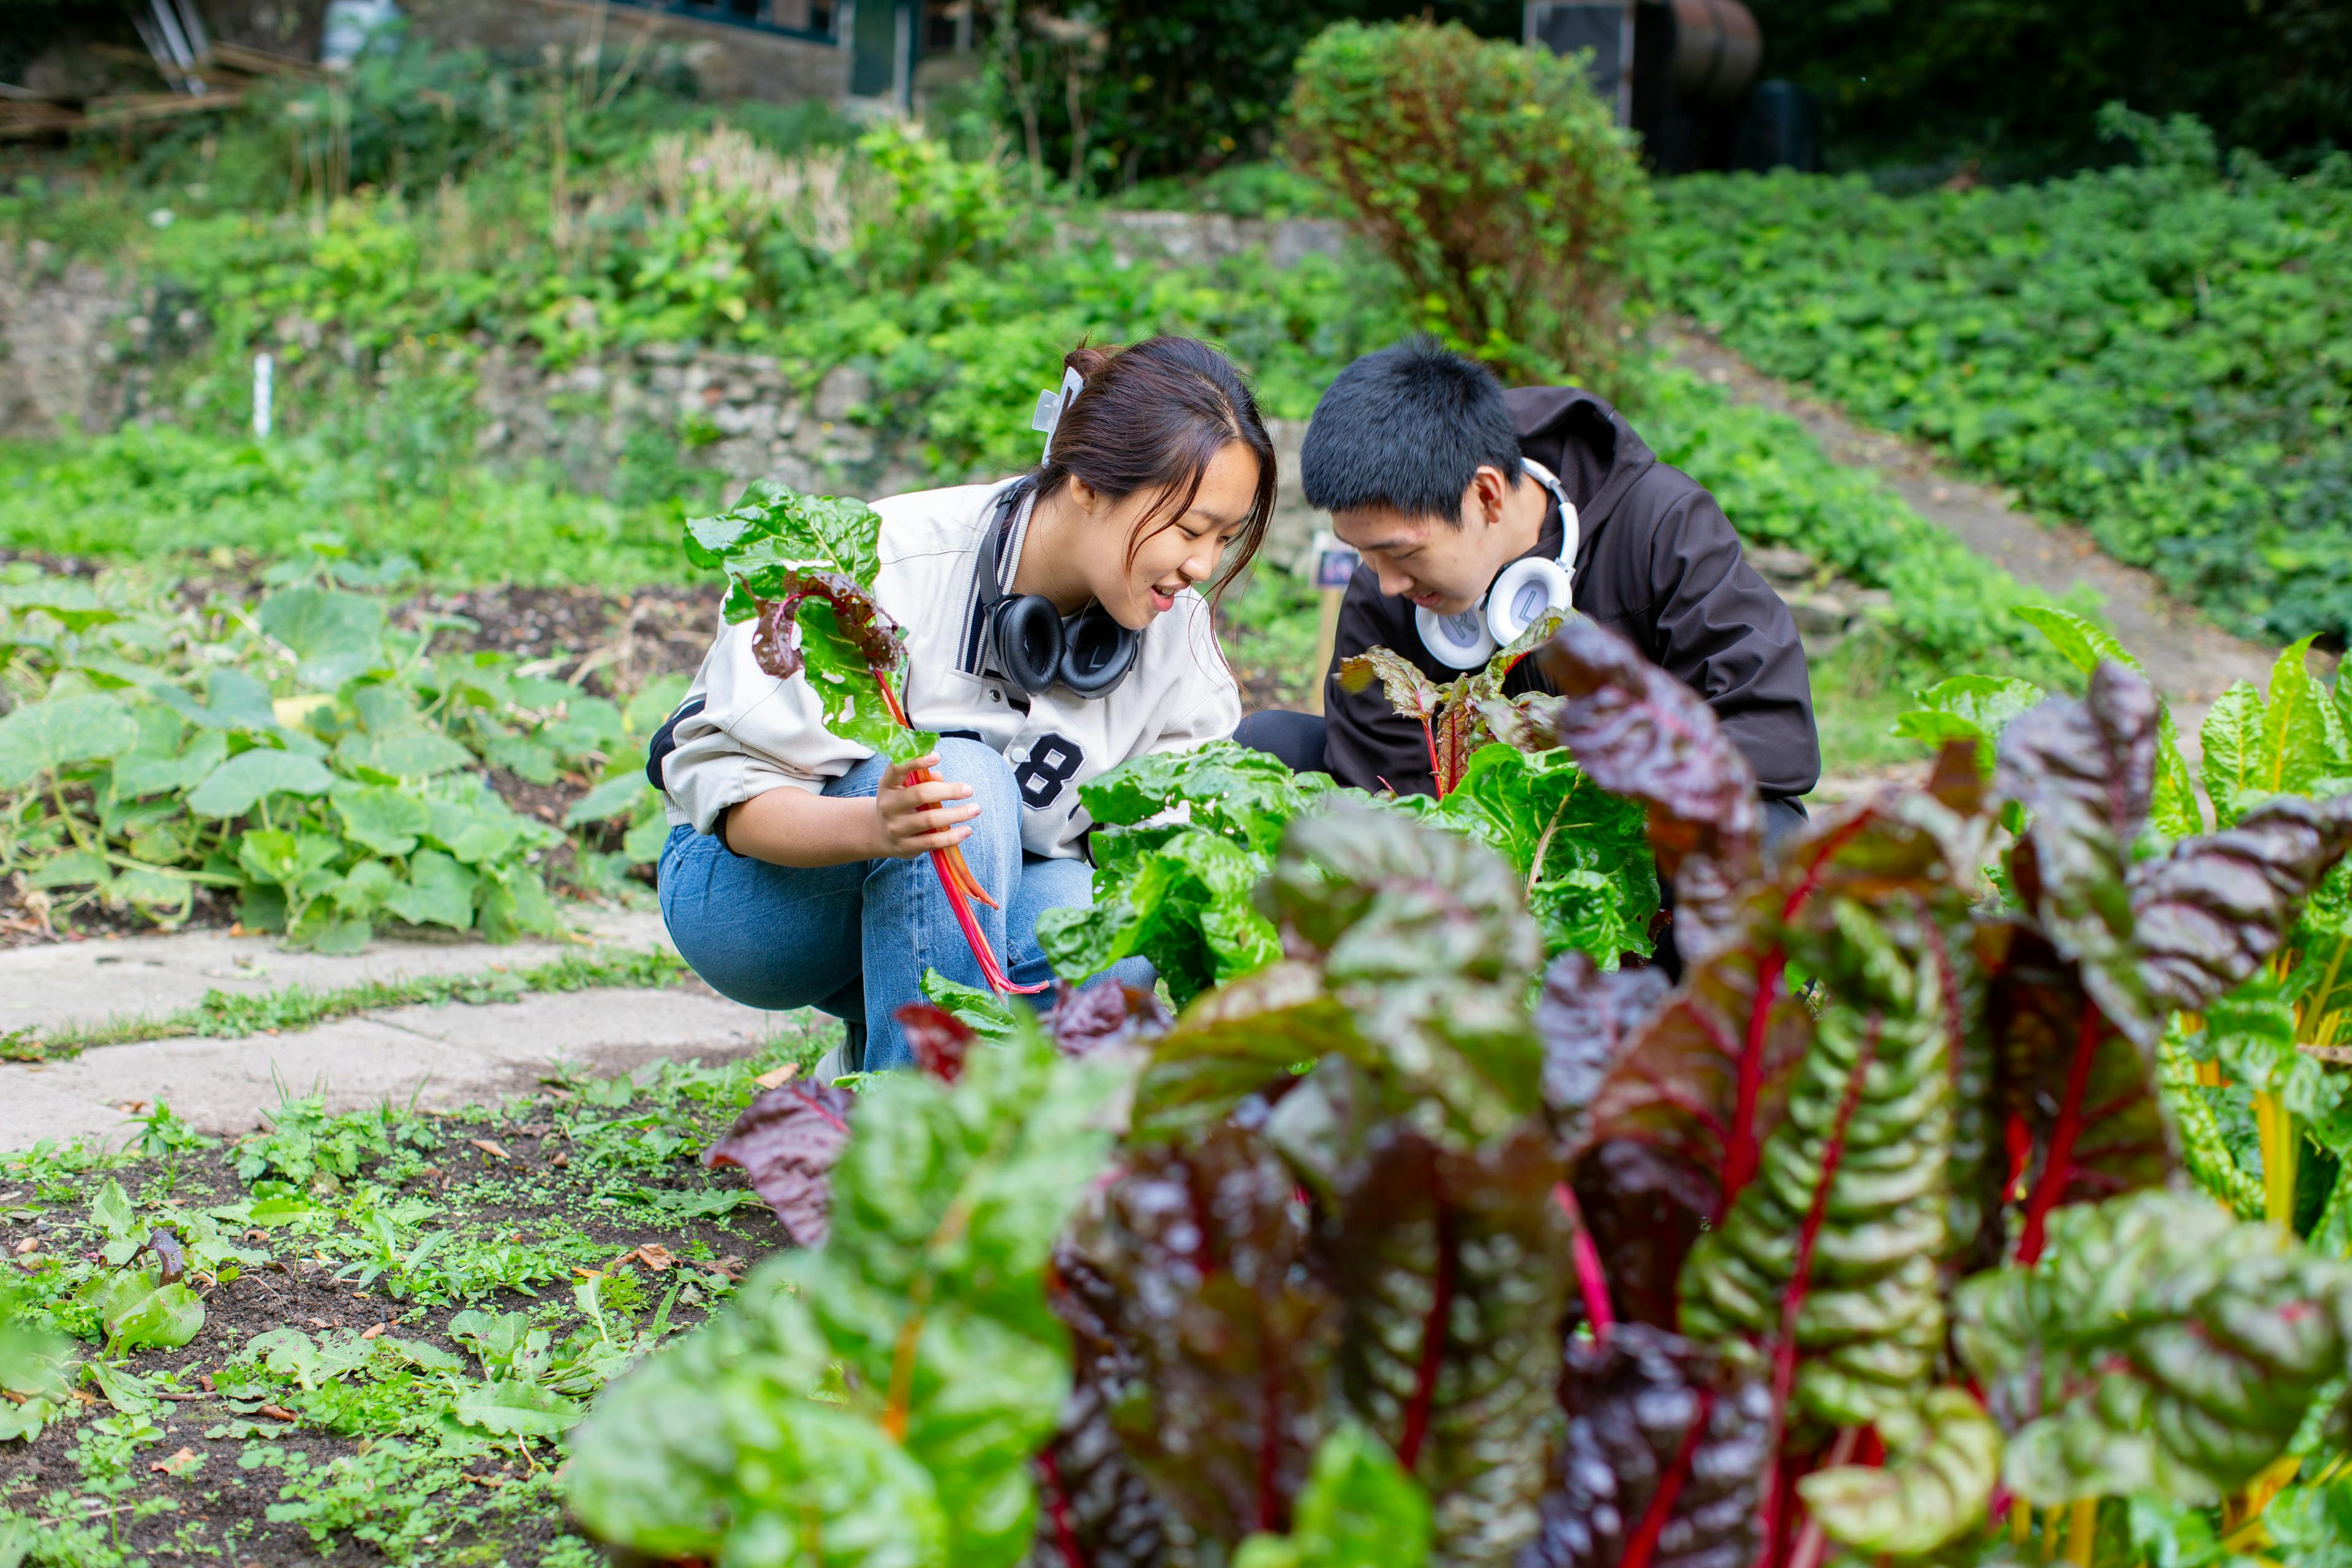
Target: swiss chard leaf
x=1971 y=707
x=1640 y=735
x=2085 y=644
x=1452 y=1274
x=1359 y=1510
x=1230 y=1331
x=1943 y=1461
x=2083 y=771
x=1099 y=1511
x=787 y=1142
x=1179 y=897
x=1581 y=852
x=1668 y=1454
x=1244 y=795
x=2159 y=1347
x=2218 y=906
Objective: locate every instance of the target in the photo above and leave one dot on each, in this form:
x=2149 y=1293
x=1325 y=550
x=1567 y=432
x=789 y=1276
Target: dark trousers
x=1295 y=738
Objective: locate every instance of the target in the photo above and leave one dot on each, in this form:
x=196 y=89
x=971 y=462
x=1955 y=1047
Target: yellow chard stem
x=2082 y=1530
x=2279 y=1138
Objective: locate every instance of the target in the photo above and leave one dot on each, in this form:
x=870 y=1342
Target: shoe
x=847 y=1058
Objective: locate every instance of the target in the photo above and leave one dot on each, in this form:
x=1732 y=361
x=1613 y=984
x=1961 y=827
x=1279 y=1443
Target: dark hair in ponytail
x=1153 y=416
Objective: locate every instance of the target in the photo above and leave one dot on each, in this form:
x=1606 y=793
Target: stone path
x=437 y=1056
x=2191 y=661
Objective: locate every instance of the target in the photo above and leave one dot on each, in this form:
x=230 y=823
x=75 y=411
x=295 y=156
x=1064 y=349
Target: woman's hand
x=915 y=818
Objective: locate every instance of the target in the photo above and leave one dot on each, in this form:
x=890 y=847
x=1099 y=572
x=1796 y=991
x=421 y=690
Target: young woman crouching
x=1054 y=628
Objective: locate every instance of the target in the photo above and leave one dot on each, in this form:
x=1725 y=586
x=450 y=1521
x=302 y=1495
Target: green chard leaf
x=1359 y=1510
x=2158 y=1347
x=1972 y=708
x=1943 y=1460
x=1179 y=897
x=1582 y=853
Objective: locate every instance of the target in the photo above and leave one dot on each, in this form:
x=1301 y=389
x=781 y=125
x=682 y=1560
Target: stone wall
x=726 y=62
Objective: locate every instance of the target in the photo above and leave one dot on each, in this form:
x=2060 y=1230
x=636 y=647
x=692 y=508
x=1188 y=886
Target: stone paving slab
x=90 y=981
x=441 y=1056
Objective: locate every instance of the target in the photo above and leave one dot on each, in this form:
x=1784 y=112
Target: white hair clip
x=1052 y=406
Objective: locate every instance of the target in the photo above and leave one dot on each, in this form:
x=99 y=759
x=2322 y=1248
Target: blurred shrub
x=1493 y=177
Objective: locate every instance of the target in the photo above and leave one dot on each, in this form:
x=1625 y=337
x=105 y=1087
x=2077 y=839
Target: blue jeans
x=853 y=939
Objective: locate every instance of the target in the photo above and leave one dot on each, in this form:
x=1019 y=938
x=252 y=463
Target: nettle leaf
x=1831 y=1256
x=1639 y=734
x=1180 y=898
x=787 y=1142
x=1359 y=1510
x=2083 y=772
x=1245 y=795
x=1452 y=1274
x=1668 y=1454
x=333 y=636
x=246 y=780
x=1582 y=853
x=1229 y=1333
x=1971 y=707
x=2158 y=1347
x=40 y=737
x=2208 y=914
x=1942 y=1464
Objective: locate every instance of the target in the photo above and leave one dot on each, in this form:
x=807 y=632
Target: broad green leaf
x=380 y=818
x=1358 y=1510
x=2236 y=736
x=774 y=528
x=111 y=1211
x=1181 y=900
x=274 y=855
x=1242 y=794
x=439 y=891
x=413 y=753
x=643 y=844
x=335 y=636
x=1594 y=846
x=141 y=775
x=2158 y=1346
x=1968 y=708
x=2300 y=740
x=837 y=672
x=614 y=797
x=41 y=737
x=137 y=1312
x=242 y=781
x=507 y=1407
x=71 y=868
x=1933 y=1489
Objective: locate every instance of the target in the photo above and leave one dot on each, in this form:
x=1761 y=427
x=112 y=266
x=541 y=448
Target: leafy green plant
x=2121 y=345
x=1361 y=1190
x=1492 y=176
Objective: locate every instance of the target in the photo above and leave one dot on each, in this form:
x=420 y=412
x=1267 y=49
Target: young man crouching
x=1475 y=509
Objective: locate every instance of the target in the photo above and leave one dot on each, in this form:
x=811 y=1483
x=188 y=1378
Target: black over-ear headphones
x=1091 y=653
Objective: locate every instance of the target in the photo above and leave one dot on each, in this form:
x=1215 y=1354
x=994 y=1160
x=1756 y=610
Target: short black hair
x=1407 y=426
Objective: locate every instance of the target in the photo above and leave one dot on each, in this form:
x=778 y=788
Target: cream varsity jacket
x=756 y=733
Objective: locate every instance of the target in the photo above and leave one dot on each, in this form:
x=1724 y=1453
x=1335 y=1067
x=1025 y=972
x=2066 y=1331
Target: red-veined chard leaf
x=1943 y=1461
x=1830 y=1260
x=1097 y=1510
x=1231 y=1334
x=787 y=1142
x=2208 y=914
x=2158 y=1346
x=1639 y=734
x=1452 y=1273
x=2083 y=771
x=2085 y=644
x=938 y=1038
x=1106 y=1016
x=1668 y=1454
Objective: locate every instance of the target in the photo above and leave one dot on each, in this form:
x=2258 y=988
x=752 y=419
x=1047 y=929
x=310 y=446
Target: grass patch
x=223 y=1015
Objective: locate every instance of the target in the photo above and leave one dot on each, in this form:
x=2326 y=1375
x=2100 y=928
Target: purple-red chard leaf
x=1454 y=1273
x=1587 y=1018
x=1206 y=1253
x=2084 y=772
x=1103 y=1017
x=1097 y=1510
x=938 y=1038
x=2081 y=1097
x=1637 y=732
x=2210 y=913
x=787 y=1142
x=1829 y=1263
x=1667 y=1454
x=2160 y=1347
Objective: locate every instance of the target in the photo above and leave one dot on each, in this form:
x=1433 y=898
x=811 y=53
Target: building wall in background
x=727 y=61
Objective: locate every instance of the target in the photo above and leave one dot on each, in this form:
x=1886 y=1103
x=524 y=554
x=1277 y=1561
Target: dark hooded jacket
x=1658 y=562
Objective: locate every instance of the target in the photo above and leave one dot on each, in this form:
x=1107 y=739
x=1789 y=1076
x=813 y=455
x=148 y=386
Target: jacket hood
x=1584 y=440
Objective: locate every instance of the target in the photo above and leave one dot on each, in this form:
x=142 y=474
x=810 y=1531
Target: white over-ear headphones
x=1526 y=590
